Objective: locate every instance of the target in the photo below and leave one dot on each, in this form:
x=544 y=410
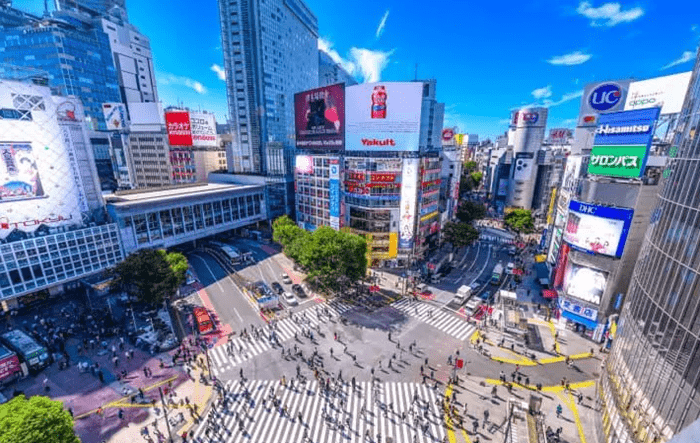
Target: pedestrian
x=580 y=398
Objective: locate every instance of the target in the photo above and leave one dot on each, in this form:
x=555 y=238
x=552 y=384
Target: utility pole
x=165 y=414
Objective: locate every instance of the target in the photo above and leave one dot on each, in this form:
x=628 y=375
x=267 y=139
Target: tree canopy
x=520 y=220
x=469 y=166
x=150 y=275
x=469 y=211
x=460 y=234
x=332 y=259
x=37 y=420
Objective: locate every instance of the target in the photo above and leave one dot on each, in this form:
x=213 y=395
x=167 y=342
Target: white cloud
x=382 y=23
x=608 y=14
x=370 y=63
x=165 y=78
x=569 y=122
x=548 y=103
x=542 y=92
x=219 y=71
x=570 y=59
x=363 y=62
x=686 y=57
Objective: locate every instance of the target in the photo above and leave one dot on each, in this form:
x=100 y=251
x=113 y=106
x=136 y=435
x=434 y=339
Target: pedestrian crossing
x=239 y=349
x=389 y=411
x=447 y=323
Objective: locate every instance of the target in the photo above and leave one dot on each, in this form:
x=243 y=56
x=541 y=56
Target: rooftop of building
x=149 y=196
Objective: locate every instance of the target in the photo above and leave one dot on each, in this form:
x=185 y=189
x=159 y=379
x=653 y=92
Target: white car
x=290 y=299
x=286 y=280
x=472 y=305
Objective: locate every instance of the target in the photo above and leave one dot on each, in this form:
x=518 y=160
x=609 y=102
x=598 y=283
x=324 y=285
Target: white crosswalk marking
x=265 y=424
x=240 y=350
x=447 y=323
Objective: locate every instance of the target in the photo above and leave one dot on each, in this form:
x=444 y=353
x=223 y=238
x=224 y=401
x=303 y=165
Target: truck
x=29 y=351
x=463 y=293
x=9 y=366
x=497 y=274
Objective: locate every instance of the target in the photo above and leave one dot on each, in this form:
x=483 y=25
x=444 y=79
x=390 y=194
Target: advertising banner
x=562 y=262
x=409 y=194
x=334 y=194
x=622 y=142
x=598 y=229
x=599 y=98
x=319 y=117
x=528 y=117
x=585 y=283
x=666 y=92
x=524 y=163
x=178 y=127
x=20 y=178
x=559 y=135
x=569 y=305
x=448 y=136
x=383 y=116
x=203 y=127
x=115 y=116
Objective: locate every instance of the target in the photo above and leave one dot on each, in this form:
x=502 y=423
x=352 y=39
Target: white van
x=509 y=268
x=463 y=293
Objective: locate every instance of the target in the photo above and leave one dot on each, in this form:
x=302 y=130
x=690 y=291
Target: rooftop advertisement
x=178 y=127
x=621 y=143
x=319 y=116
x=599 y=98
x=383 y=116
x=666 y=92
x=598 y=229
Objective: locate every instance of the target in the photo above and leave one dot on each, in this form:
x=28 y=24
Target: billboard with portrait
x=319 y=117
x=598 y=229
x=667 y=92
x=383 y=116
x=409 y=194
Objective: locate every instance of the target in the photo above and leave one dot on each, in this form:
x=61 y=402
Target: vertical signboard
x=179 y=128
x=409 y=194
x=334 y=193
x=383 y=116
x=319 y=117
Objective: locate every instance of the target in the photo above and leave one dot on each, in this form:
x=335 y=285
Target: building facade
x=331 y=73
x=649 y=387
x=526 y=134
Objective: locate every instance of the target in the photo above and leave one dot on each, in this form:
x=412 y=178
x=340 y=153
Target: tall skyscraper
x=650 y=385
x=270 y=52
x=330 y=72
x=95 y=7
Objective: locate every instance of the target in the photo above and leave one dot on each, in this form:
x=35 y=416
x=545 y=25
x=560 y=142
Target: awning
x=590 y=324
x=549 y=293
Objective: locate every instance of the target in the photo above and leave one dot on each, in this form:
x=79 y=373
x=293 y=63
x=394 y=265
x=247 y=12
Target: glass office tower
x=649 y=386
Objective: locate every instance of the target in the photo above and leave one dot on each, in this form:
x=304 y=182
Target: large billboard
x=37 y=176
x=203 y=127
x=178 y=126
x=409 y=194
x=383 y=116
x=584 y=283
x=622 y=142
x=599 y=98
x=666 y=92
x=524 y=164
x=598 y=229
x=559 y=135
x=319 y=116
x=115 y=116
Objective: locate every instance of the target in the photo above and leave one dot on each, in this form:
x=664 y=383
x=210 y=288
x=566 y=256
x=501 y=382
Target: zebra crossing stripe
x=455 y=326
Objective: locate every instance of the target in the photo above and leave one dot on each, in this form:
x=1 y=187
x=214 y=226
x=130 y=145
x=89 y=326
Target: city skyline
x=594 y=41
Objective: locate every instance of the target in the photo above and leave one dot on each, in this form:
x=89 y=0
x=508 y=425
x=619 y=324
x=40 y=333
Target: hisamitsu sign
x=622 y=143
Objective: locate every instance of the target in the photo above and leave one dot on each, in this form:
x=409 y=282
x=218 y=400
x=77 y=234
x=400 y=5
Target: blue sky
x=487 y=56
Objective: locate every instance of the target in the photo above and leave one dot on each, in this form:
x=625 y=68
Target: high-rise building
x=270 y=52
x=330 y=72
x=650 y=383
x=526 y=135
x=95 y=7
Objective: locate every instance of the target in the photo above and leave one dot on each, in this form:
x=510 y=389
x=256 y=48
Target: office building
x=649 y=386
x=331 y=73
x=270 y=53
x=93 y=7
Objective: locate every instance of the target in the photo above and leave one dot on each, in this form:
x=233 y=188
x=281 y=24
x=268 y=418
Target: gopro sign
x=605 y=97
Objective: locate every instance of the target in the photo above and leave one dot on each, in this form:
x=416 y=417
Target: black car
x=298 y=290
x=277 y=288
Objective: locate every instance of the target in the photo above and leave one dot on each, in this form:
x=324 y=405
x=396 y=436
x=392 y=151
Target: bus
x=497 y=274
x=29 y=351
x=204 y=323
x=233 y=254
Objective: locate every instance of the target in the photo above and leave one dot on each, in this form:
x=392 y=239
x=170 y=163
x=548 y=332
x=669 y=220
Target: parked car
x=286 y=280
x=298 y=290
x=290 y=299
x=277 y=288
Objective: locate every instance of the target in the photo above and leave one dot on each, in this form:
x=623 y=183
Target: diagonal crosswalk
x=391 y=411
x=239 y=349
x=447 y=323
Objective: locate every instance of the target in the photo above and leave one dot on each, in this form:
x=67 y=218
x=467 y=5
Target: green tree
x=460 y=234
x=37 y=420
x=469 y=166
x=476 y=177
x=333 y=259
x=285 y=231
x=520 y=220
x=147 y=274
x=468 y=211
